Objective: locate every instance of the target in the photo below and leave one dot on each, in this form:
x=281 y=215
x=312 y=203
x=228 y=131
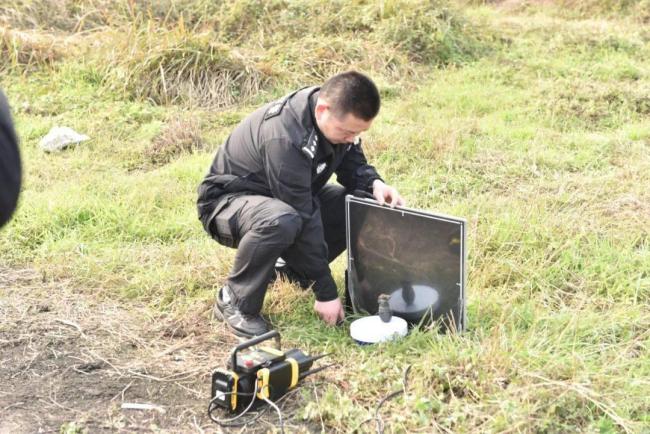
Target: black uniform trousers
x=263 y=229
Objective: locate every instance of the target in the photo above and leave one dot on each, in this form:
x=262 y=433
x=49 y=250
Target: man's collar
x=326 y=146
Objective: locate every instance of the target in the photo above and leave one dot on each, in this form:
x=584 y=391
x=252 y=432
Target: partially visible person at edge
x=266 y=194
x=10 y=173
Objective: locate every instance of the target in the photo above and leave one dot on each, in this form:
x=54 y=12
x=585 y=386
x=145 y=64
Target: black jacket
x=10 y=173
x=278 y=151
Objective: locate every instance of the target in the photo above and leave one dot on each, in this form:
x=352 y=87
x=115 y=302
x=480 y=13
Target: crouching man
x=266 y=194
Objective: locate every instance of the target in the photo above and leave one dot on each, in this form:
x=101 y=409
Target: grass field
x=530 y=120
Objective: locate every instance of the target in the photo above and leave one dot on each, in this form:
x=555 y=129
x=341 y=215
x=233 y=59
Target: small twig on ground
x=196 y=425
x=322 y=423
x=26 y=368
x=123 y=391
x=183 y=344
x=15 y=404
x=149 y=377
x=196 y=393
x=71 y=324
x=12 y=342
x=173 y=378
x=170 y=379
x=53 y=400
x=79 y=371
x=97 y=356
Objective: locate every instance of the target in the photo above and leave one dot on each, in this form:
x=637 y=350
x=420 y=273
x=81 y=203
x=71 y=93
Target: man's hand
x=386 y=194
x=330 y=311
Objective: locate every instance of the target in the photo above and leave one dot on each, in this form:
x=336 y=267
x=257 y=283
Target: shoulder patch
x=274 y=110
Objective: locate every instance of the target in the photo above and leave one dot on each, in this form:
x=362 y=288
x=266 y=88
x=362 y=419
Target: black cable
x=229 y=423
x=377 y=418
x=284 y=398
x=265 y=409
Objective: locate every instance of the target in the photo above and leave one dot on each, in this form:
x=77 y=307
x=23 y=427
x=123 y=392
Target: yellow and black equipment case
x=258 y=375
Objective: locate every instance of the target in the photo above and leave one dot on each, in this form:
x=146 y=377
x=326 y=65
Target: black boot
x=240 y=323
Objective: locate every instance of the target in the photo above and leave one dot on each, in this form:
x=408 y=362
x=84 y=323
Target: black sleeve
x=354 y=172
x=10 y=173
x=288 y=172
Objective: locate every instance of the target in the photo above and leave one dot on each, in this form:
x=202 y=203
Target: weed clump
x=598 y=104
x=57 y=15
x=214 y=54
x=179 y=136
x=638 y=10
x=314 y=59
x=427 y=32
x=24 y=51
x=607 y=8
x=183 y=68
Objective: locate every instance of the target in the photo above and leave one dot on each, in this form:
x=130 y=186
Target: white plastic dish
x=372 y=330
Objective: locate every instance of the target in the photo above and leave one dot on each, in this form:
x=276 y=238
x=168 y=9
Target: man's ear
x=321 y=108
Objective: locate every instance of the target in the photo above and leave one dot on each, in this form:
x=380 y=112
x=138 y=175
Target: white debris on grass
x=60 y=138
x=141 y=406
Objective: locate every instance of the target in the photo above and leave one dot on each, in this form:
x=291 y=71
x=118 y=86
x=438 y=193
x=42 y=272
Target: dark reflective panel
x=416 y=258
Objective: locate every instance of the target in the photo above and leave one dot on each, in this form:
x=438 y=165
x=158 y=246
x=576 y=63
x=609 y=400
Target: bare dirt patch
x=71 y=360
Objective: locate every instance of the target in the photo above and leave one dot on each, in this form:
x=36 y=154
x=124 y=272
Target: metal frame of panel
x=404 y=210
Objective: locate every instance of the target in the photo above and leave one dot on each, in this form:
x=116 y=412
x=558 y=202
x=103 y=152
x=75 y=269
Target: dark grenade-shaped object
x=384 y=311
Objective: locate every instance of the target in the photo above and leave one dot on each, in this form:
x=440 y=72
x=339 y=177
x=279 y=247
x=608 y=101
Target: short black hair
x=352 y=92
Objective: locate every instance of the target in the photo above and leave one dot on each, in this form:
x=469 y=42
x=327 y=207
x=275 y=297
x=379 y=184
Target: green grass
x=542 y=142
